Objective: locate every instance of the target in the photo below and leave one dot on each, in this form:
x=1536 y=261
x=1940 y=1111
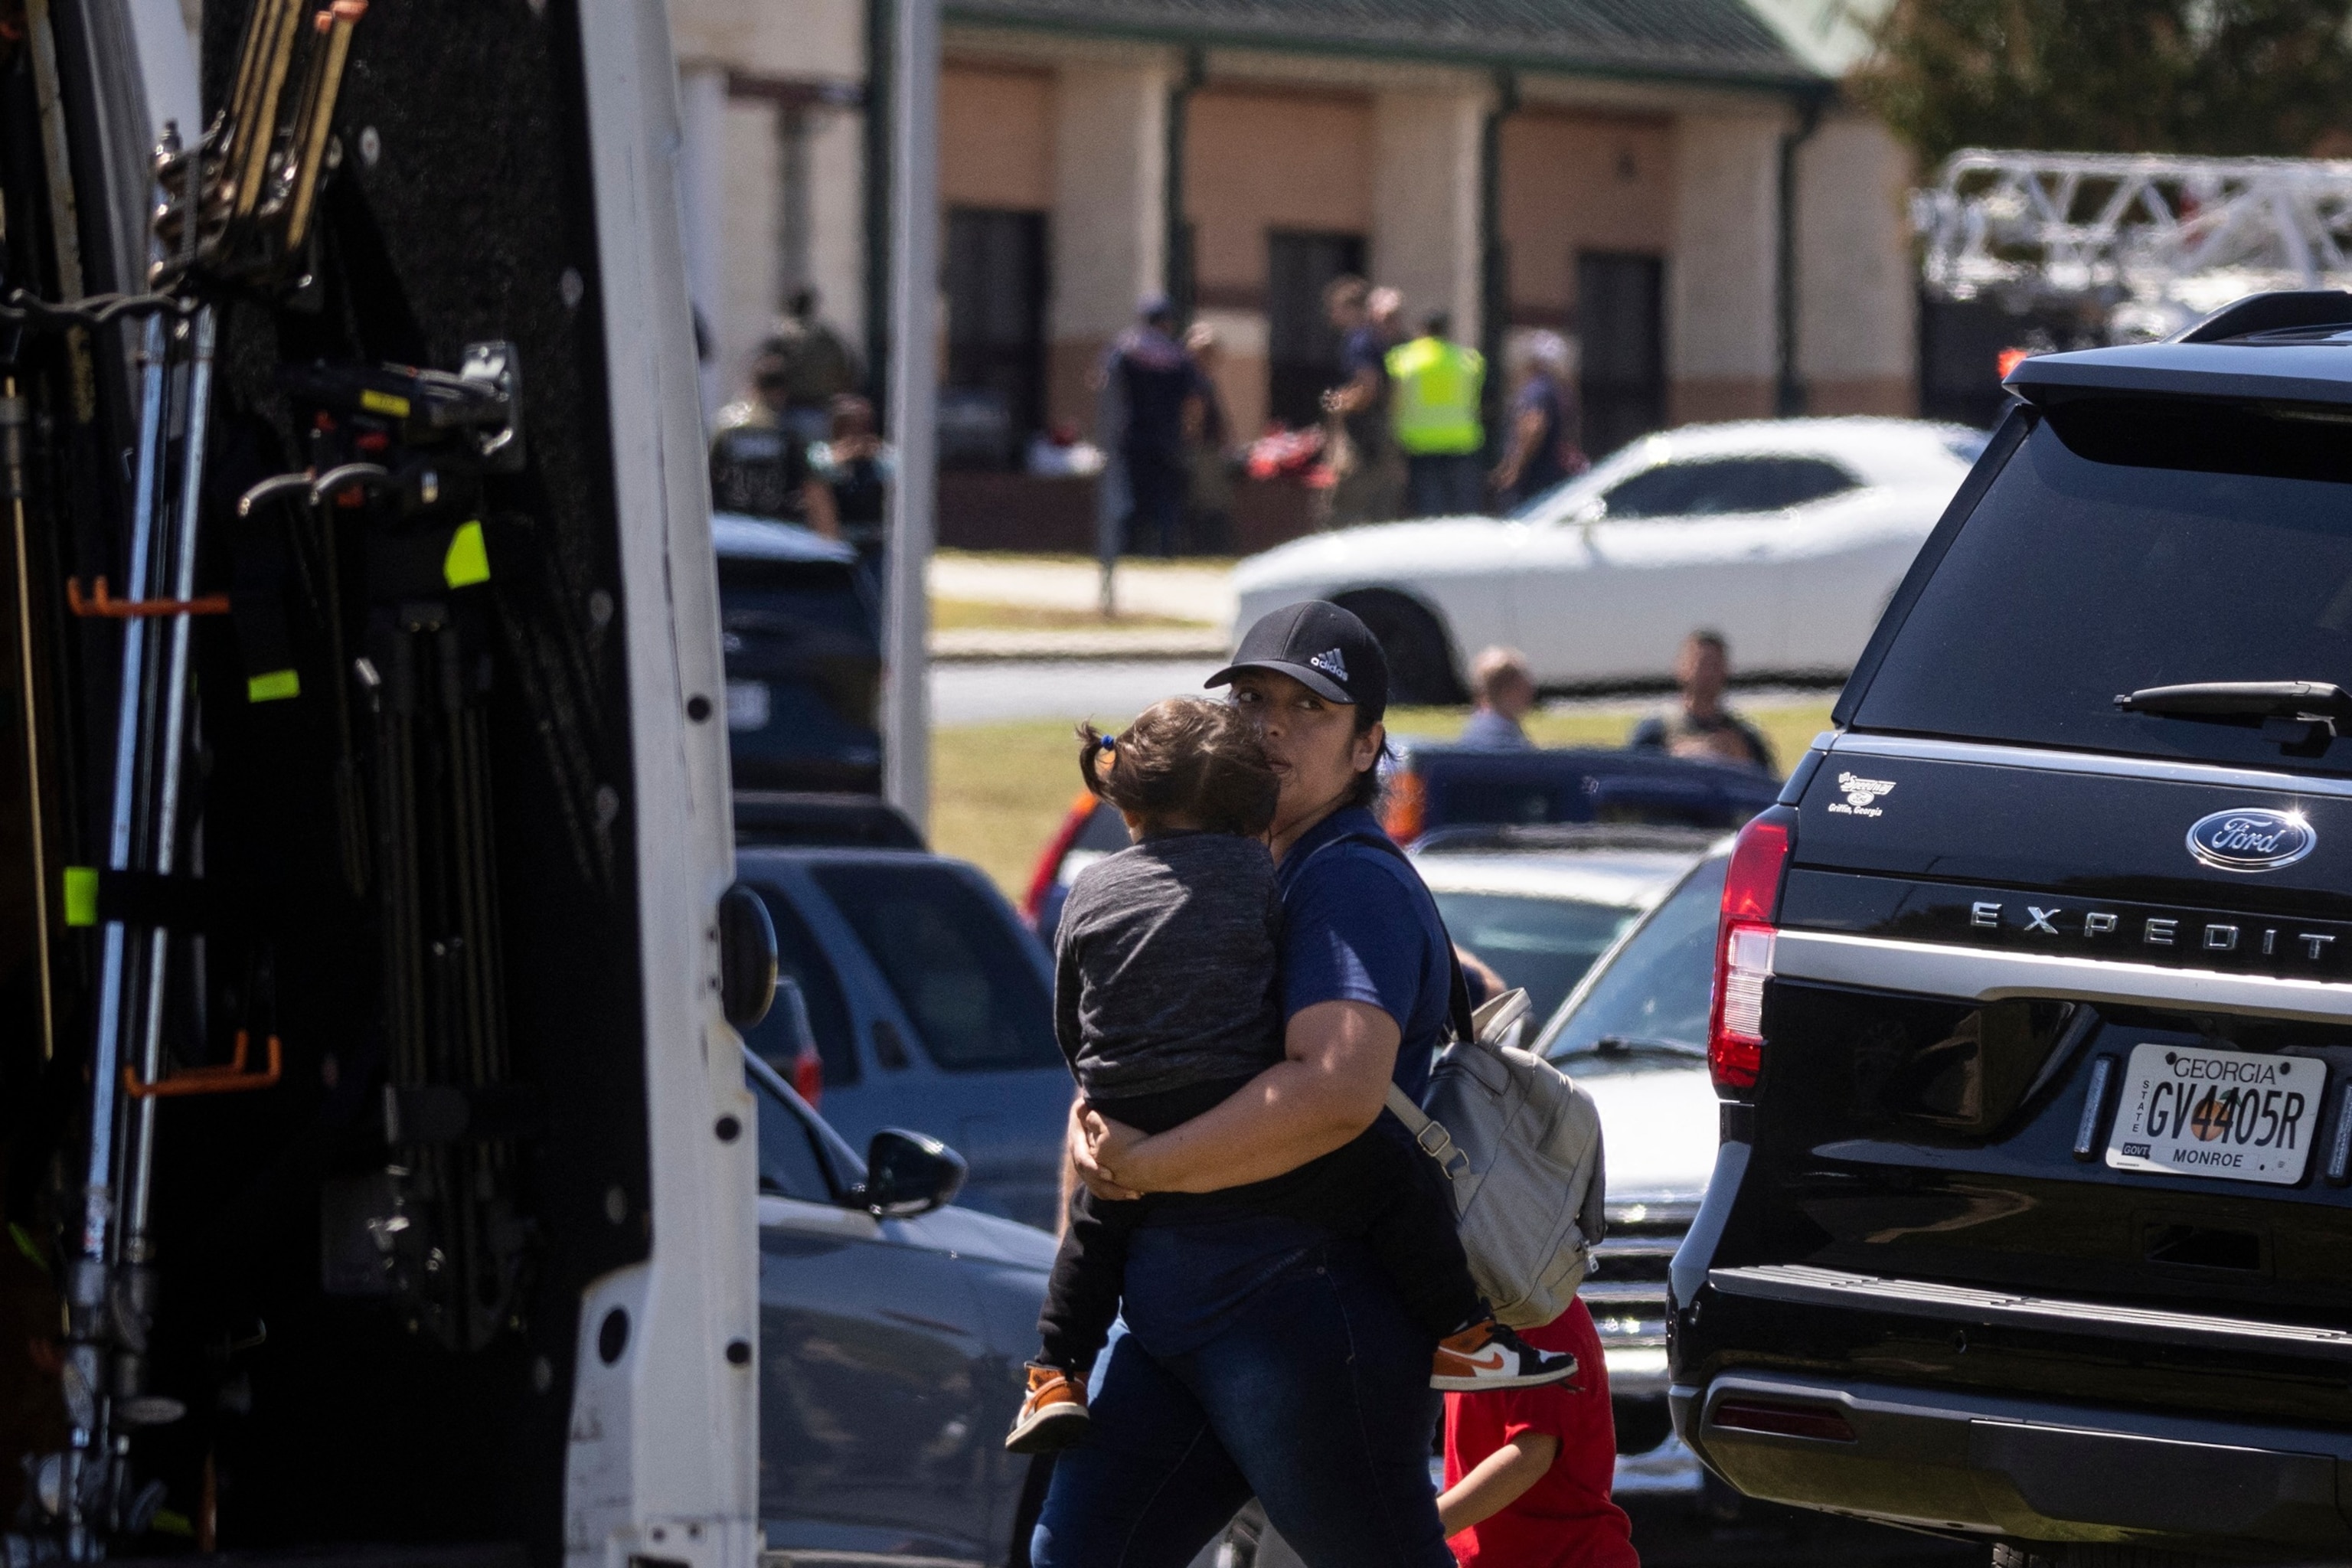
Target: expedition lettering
x=2152 y=931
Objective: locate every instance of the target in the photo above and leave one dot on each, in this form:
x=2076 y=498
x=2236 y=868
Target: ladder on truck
x=2157 y=239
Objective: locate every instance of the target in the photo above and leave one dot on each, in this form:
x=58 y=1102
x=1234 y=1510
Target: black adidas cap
x=1323 y=647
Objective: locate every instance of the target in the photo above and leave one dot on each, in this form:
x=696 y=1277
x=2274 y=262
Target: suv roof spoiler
x=2272 y=312
x=2273 y=347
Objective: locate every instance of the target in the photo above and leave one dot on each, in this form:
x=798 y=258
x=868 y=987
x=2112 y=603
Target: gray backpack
x=1520 y=1146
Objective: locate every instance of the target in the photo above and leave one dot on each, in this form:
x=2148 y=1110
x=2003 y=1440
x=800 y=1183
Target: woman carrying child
x=1295 y=1290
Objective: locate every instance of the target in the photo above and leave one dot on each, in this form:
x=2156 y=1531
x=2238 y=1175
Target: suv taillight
x=1743 y=949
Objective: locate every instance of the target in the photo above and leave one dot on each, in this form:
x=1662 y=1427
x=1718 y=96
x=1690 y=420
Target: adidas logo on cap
x=1329 y=662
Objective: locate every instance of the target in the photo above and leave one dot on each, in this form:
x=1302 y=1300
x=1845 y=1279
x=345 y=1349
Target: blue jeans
x=1314 y=1396
x=1159 y=485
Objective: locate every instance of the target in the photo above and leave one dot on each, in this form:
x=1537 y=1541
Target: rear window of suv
x=2125 y=545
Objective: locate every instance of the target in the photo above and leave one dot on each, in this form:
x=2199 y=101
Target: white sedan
x=1786 y=536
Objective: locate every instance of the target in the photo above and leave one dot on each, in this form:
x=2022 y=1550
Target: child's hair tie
x=1109 y=742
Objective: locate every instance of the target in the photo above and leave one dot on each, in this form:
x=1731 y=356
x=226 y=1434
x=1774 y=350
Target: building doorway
x=1619 y=320
x=1302 y=350
x=995 y=278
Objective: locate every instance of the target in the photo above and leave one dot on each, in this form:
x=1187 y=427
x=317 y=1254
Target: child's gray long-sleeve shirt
x=1164 y=967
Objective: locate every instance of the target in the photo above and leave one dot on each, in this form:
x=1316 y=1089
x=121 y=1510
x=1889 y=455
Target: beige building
x=1672 y=184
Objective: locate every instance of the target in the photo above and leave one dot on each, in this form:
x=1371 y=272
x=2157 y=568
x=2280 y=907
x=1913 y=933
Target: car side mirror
x=908 y=1174
x=1586 y=517
x=747 y=956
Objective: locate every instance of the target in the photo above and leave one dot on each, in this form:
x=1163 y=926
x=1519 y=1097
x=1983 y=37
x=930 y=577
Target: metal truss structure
x=2154 y=239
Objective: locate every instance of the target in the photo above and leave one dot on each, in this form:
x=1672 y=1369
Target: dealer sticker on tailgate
x=2190 y=1112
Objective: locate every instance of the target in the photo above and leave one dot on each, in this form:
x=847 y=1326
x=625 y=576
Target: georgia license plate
x=2232 y=1114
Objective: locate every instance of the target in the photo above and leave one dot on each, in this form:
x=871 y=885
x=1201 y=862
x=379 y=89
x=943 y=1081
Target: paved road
x=1113 y=690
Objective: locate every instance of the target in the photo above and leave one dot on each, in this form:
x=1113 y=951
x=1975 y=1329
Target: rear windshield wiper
x=2300 y=714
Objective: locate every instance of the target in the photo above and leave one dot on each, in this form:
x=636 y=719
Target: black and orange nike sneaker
x=1486 y=1355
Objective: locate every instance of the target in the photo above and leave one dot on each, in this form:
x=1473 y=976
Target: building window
x=1620 y=320
x=995 y=398
x=1302 y=350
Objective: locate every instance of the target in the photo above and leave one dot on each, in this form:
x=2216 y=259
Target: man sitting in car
x=1506 y=694
x=1699 y=725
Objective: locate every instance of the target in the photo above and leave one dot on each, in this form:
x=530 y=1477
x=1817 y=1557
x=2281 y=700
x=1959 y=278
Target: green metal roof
x=1712 y=40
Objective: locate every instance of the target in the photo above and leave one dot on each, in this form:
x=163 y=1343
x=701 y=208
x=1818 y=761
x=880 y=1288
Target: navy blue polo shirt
x=1357 y=926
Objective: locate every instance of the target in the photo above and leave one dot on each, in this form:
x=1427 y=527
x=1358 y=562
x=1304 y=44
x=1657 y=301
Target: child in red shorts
x=1527 y=1470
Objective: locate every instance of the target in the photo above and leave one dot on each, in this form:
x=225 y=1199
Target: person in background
x=1699 y=725
x=1527 y=1471
x=1209 y=503
x=1384 y=306
x=818 y=366
x=1506 y=694
x=1155 y=392
x=1436 y=386
x=759 y=465
x=1543 y=449
x=1369 y=471
x=855 y=465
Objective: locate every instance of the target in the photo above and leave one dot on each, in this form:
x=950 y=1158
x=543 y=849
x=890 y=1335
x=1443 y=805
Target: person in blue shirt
x=1506 y=694
x=1262 y=1353
x=1542 y=449
x=1158 y=392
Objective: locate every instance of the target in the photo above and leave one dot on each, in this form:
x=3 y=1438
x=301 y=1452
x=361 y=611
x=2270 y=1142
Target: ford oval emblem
x=2252 y=839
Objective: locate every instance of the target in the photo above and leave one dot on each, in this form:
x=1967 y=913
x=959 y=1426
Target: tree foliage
x=2235 y=76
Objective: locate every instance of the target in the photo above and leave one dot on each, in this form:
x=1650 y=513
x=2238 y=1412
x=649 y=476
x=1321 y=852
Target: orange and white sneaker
x=1053 y=1417
x=1486 y=1355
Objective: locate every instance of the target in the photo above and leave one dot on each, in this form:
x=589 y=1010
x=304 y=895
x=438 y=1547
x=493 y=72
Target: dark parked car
x=1433 y=786
x=1435 y=790
x=891 y=1349
x=932 y=1006
x=801 y=632
x=2031 y=1221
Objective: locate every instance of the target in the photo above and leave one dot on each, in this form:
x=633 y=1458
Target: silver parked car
x=1633 y=1035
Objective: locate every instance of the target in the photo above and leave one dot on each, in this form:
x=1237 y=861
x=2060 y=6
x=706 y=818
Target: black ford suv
x=2033 y=1004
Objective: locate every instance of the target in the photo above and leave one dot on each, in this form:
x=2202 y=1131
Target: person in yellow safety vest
x=1436 y=386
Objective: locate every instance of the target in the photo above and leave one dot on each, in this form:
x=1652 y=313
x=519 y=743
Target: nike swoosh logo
x=1493 y=1363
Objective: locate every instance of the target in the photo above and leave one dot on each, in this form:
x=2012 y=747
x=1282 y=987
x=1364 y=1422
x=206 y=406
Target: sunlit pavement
x=1113 y=690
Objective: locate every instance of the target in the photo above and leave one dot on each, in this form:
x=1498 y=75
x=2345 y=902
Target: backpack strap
x=1428 y=1132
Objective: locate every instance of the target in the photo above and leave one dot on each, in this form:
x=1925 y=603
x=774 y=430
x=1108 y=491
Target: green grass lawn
x=998 y=791
x=985 y=614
